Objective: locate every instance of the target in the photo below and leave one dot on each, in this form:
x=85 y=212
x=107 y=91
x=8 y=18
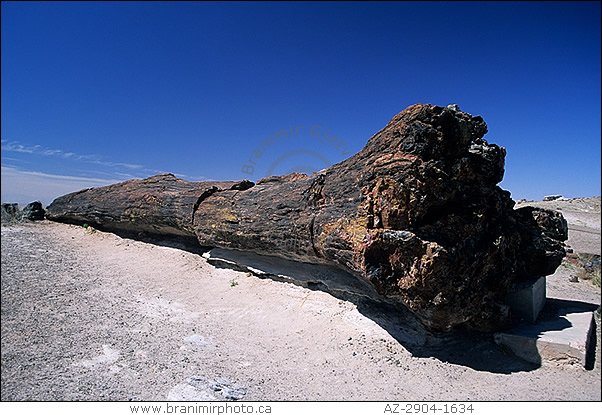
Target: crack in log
x=240 y=186
x=311 y=236
x=314 y=194
x=202 y=197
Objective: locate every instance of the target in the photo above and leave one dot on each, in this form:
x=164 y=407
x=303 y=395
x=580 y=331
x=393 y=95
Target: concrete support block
x=565 y=338
x=526 y=299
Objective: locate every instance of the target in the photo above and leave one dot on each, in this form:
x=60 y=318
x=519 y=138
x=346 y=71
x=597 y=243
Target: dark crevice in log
x=241 y=186
x=311 y=233
x=313 y=195
x=202 y=197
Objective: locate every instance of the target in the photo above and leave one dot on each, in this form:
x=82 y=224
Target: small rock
x=235 y=393
x=573 y=278
x=10 y=212
x=33 y=211
x=197 y=381
x=549 y=198
x=215 y=387
x=228 y=390
x=196 y=339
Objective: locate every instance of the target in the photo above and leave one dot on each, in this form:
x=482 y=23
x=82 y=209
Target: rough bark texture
x=160 y=205
x=416 y=212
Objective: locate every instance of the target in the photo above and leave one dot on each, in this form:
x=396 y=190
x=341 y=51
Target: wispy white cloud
x=19 y=186
x=17 y=147
x=192 y=178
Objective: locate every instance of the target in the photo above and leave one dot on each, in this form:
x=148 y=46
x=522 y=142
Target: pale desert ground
x=93 y=316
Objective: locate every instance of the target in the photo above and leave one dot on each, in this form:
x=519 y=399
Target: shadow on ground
x=189 y=244
x=473 y=350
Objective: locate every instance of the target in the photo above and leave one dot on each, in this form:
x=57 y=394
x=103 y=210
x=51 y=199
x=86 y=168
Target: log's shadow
x=564 y=331
x=474 y=350
x=184 y=243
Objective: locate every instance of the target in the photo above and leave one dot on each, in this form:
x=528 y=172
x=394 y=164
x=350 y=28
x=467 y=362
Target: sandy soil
x=93 y=316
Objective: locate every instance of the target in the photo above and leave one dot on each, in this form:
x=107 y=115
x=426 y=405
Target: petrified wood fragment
x=416 y=212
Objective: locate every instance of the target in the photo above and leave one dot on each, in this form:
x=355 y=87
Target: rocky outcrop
x=10 y=212
x=33 y=211
x=417 y=213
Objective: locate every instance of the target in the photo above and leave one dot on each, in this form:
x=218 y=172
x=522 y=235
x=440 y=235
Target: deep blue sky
x=101 y=92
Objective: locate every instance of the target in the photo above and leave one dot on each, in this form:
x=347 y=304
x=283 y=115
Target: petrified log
x=416 y=212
